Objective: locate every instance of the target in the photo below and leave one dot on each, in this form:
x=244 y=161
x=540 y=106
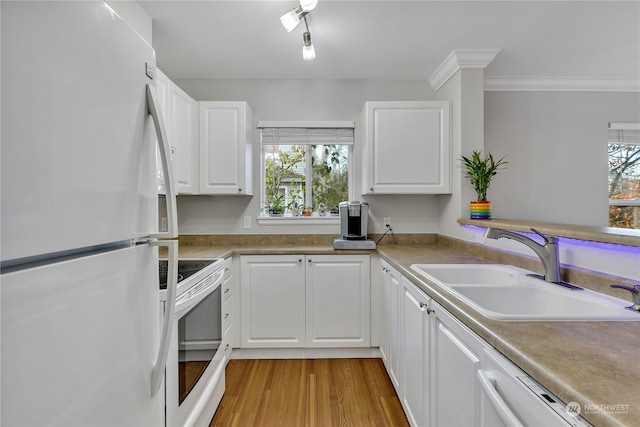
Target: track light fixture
x=290 y=20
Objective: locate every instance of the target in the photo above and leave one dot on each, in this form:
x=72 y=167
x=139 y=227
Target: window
x=624 y=175
x=305 y=170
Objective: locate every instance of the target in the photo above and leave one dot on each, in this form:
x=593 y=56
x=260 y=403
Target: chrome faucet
x=635 y=296
x=548 y=253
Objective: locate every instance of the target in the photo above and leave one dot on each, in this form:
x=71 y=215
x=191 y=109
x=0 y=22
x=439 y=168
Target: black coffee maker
x=353 y=220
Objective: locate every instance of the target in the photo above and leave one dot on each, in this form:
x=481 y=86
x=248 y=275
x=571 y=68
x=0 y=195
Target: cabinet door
x=385 y=317
x=395 y=327
x=415 y=348
x=338 y=301
x=226 y=141
x=272 y=301
x=407 y=148
x=182 y=128
x=456 y=358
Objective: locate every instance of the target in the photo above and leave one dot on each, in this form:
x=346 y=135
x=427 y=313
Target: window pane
x=624 y=185
x=304 y=173
x=285 y=180
x=330 y=176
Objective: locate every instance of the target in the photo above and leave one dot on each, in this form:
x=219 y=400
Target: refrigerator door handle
x=157 y=373
x=165 y=155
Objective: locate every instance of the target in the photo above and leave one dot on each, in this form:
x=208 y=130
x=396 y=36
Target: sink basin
x=504 y=292
x=481 y=274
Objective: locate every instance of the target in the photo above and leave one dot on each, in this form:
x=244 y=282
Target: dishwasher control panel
x=569 y=412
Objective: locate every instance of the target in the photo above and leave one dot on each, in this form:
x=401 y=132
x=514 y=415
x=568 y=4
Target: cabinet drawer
x=227 y=316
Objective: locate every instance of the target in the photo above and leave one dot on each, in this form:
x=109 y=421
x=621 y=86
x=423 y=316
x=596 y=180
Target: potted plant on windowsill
x=480 y=172
x=277 y=206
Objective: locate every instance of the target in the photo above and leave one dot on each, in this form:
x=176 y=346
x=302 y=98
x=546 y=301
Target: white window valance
x=624 y=133
x=307 y=133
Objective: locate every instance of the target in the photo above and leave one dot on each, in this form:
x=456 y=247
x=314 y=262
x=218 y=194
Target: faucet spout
x=548 y=253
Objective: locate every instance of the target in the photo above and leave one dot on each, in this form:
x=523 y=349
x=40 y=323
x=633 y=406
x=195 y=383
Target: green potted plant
x=277 y=206
x=480 y=172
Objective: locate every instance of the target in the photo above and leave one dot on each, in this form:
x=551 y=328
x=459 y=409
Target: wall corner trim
x=458 y=59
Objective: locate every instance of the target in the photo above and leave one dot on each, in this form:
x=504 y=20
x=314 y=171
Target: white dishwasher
x=509 y=397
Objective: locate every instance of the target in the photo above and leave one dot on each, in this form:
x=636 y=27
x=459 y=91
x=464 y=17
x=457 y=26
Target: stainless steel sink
x=504 y=292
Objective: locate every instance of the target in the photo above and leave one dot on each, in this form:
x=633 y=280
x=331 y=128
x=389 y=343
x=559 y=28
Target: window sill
x=298 y=220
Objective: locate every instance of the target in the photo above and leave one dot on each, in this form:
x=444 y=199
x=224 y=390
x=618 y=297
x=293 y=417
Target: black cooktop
x=186 y=268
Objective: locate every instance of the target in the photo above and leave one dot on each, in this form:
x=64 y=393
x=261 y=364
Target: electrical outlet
x=247 y=222
x=386 y=222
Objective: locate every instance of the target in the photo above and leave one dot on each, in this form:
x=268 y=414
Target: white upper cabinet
x=180 y=114
x=182 y=128
x=406 y=147
x=226 y=147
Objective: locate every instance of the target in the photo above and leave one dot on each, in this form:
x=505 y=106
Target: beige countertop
x=618 y=236
x=596 y=364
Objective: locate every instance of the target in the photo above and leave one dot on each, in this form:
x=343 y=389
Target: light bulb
x=308 y=52
x=291 y=19
x=308 y=5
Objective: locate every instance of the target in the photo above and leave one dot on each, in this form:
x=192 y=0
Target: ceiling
x=396 y=39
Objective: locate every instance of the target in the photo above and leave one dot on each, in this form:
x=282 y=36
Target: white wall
x=305 y=100
x=466 y=92
x=132 y=13
x=557 y=151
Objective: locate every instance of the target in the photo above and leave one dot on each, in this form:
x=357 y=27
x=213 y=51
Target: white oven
x=195 y=370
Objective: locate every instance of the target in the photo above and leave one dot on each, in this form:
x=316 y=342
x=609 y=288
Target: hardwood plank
x=310 y=393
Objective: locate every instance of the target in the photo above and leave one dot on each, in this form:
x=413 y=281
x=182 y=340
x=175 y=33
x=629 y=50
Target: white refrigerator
x=83 y=341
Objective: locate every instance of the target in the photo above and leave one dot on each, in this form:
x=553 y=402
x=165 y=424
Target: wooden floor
x=308 y=392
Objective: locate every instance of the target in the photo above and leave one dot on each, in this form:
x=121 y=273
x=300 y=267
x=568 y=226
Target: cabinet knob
x=226 y=315
x=371 y=189
x=309 y=260
x=426 y=307
x=239 y=189
x=226 y=290
x=300 y=260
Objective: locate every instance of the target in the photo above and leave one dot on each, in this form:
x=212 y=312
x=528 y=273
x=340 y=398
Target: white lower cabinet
x=272 y=301
x=446 y=375
x=431 y=357
x=416 y=335
x=390 y=325
x=305 y=301
x=456 y=353
x=338 y=308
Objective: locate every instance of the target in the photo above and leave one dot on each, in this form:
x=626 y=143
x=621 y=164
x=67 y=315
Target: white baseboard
x=305 y=353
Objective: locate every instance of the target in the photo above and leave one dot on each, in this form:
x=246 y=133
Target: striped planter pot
x=480 y=210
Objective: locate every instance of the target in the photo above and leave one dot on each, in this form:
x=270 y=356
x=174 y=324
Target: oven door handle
x=197 y=293
x=157 y=373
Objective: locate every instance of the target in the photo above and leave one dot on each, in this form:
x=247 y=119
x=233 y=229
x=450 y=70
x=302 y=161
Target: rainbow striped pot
x=480 y=210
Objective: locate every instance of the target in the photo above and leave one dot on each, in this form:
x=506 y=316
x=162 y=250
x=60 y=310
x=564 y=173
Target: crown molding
x=560 y=84
x=461 y=58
